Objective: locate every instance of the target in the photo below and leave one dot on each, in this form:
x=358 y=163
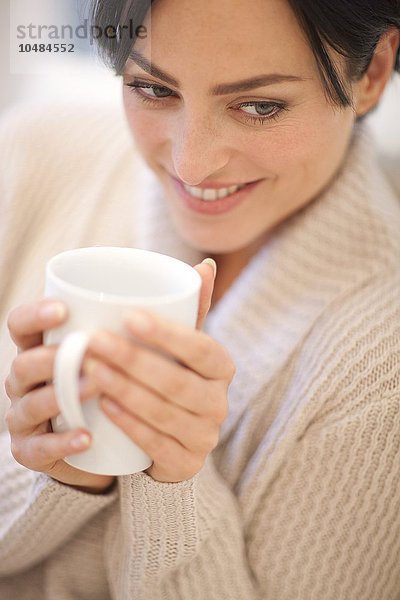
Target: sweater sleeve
x=315 y=514
x=37 y=513
x=328 y=527
x=180 y=540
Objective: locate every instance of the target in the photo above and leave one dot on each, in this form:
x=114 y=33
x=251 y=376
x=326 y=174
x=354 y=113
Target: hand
x=171 y=406
x=33 y=403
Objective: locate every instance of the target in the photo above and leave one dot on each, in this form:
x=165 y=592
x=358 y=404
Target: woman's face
x=279 y=131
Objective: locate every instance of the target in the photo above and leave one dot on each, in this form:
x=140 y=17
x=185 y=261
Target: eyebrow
x=220 y=89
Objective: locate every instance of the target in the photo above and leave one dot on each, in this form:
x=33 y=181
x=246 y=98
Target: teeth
x=209 y=195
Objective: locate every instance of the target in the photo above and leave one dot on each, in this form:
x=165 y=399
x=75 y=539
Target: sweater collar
x=315 y=256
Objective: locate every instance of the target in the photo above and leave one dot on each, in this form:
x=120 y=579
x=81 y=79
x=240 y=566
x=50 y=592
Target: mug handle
x=67 y=366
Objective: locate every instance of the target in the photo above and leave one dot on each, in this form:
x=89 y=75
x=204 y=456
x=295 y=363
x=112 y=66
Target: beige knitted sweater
x=301 y=499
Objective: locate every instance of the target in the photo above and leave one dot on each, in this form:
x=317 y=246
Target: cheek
x=147 y=128
x=279 y=152
x=302 y=146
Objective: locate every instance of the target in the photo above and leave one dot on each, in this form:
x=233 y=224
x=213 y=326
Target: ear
x=369 y=89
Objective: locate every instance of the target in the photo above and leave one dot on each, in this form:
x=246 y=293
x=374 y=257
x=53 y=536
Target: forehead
x=207 y=36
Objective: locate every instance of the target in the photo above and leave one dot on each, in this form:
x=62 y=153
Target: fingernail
x=81 y=441
x=50 y=312
x=140 y=322
x=212 y=263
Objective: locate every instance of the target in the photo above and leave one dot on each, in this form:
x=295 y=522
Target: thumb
x=207 y=271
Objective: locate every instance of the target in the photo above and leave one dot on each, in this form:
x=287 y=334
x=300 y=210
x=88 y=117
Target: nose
x=199 y=149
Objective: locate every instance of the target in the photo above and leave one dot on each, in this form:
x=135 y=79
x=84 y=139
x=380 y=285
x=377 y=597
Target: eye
x=160 y=92
x=265 y=111
x=156 y=95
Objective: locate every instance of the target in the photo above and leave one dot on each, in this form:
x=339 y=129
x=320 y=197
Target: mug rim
x=88 y=294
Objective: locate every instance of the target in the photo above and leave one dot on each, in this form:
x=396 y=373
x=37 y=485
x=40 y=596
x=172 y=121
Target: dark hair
x=350 y=27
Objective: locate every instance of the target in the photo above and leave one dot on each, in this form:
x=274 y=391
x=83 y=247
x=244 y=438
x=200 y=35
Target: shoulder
x=43 y=126
x=53 y=155
x=48 y=136
x=66 y=179
x=51 y=118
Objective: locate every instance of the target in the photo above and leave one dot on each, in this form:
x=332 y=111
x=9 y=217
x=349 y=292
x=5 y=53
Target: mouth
x=213 y=201
x=213 y=192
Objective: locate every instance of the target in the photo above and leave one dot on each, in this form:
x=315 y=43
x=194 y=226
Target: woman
x=275 y=437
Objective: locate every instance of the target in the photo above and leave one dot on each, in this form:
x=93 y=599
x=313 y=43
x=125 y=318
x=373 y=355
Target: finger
x=36 y=408
x=168 y=454
x=171 y=383
x=191 y=430
x=207 y=270
x=41 y=452
x=30 y=369
x=28 y=321
x=31 y=411
x=192 y=348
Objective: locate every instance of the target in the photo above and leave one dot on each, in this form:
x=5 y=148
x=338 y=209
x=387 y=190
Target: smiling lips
x=212 y=192
x=213 y=201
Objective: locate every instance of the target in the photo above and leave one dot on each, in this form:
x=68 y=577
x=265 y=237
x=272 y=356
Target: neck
x=229 y=267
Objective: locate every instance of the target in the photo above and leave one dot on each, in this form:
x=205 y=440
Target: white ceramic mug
x=99 y=286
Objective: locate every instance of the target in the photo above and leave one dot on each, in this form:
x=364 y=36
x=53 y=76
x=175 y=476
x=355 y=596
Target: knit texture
x=301 y=498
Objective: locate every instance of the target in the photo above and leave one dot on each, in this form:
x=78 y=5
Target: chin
x=204 y=243
x=212 y=244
